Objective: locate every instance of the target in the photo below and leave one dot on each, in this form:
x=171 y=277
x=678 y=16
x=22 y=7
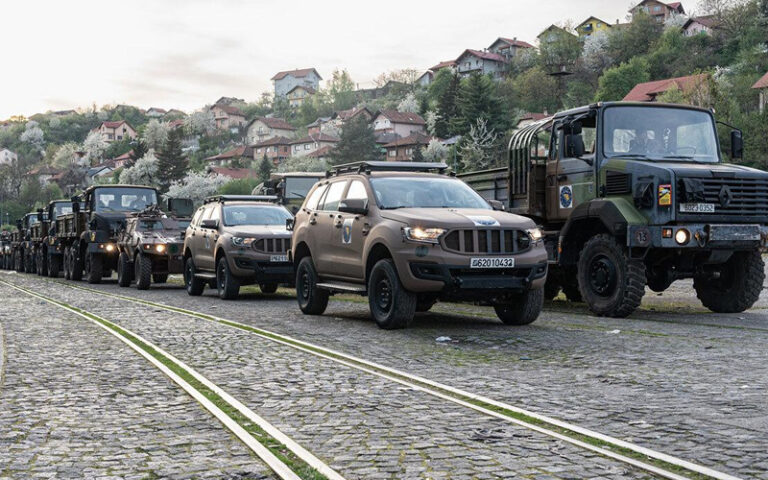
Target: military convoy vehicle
x=236 y=240
x=636 y=194
x=290 y=188
x=21 y=244
x=88 y=235
x=406 y=235
x=6 y=257
x=150 y=245
x=50 y=256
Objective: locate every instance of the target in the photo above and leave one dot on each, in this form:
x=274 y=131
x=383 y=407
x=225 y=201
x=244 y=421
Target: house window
x=657 y=8
x=306 y=147
x=296 y=148
x=409 y=151
x=392 y=153
x=261 y=129
x=119 y=137
x=110 y=136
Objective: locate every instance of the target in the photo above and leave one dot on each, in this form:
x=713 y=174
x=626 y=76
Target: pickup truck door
x=348 y=238
x=324 y=253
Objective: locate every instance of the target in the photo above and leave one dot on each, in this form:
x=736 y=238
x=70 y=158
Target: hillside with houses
x=461 y=110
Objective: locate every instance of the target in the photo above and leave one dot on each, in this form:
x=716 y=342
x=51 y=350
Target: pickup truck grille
x=272 y=245
x=732 y=196
x=487 y=241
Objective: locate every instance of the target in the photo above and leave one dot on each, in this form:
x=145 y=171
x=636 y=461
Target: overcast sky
x=186 y=53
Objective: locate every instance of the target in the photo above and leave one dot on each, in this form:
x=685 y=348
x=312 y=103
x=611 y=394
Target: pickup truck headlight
x=425 y=235
x=242 y=241
x=535 y=234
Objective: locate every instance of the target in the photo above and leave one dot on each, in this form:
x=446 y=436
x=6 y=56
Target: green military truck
x=45 y=242
x=88 y=235
x=290 y=188
x=6 y=262
x=636 y=194
x=21 y=244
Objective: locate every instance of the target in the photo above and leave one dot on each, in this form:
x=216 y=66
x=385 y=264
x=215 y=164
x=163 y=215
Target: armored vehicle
x=150 y=244
x=6 y=259
x=636 y=194
x=237 y=240
x=406 y=235
x=88 y=235
x=291 y=188
x=51 y=254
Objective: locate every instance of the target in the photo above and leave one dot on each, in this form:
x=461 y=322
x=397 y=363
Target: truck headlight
x=242 y=241
x=425 y=235
x=682 y=236
x=535 y=234
x=160 y=248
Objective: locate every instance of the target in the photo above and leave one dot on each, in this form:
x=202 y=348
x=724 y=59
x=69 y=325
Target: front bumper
x=701 y=236
x=461 y=278
x=259 y=271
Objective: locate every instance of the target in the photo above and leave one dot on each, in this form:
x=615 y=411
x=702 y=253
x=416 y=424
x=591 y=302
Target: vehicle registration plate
x=697 y=207
x=491 y=262
x=278 y=258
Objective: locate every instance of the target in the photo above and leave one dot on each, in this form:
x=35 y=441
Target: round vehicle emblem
x=566 y=196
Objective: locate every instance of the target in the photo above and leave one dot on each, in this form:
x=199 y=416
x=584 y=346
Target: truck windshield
x=298 y=187
x=254 y=215
x=62 y=209
x=658 y=133
x=426 y=192
x=123 y=199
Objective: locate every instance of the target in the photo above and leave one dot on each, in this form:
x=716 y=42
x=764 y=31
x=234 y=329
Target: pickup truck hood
x=259 y=231
x=456 y=218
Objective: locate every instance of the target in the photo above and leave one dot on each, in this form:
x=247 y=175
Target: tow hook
x=701 y=237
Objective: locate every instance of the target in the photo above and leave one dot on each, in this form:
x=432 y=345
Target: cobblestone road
x=672 y=377
x=75 y=402
x=365 y=427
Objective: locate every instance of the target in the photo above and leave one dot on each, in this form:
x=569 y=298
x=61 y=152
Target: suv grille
x=732 y=196
x=487 y=241
x=272 y=245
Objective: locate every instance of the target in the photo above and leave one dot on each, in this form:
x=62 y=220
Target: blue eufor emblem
x=566 y=196
x=346 y=231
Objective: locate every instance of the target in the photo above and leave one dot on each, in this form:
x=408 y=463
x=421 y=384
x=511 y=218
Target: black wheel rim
x=602 y=276
x=188 y=274
x=383 y=294
x=304 y=284
x=221 y=277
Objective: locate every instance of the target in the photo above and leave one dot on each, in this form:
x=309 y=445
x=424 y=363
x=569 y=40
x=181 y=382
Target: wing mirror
x=737 y=144
x=209 y=223
x=75 y=204
x=289 y=222
x=39 y=214
x=496 y=205
x=355 y=206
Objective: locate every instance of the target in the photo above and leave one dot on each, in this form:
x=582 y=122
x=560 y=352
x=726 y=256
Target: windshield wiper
x=394 y=207
x=630 y=155
x=678 y=157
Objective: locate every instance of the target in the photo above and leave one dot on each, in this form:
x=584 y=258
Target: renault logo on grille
x=725 y=196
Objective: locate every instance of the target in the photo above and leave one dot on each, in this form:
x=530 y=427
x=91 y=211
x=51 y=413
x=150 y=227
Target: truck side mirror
x=496 y=205
x=574 y=146
x=39 y=214
x=75 y=204
x=355 y=206
x=737 y=144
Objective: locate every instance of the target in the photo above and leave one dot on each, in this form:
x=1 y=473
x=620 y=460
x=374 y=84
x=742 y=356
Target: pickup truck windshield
x=427 y=192
x=123 y=199
x=254 y=215
x=660 y=134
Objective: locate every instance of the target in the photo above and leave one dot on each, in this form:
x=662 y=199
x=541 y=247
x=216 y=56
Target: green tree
x=447 y=107
x=357 y=142
x=139 y=150
x=634 y=39
x=616 y=82
x=241 y=186
x=172 y=163
x=265 y=168
x=536 y=91
x=477 y=100
x=341 y=90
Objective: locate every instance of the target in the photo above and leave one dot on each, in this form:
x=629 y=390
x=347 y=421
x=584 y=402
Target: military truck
x=88 y=235
x=21 y=245
x=636 y=194
x=151 y=242
x=6 y=262
x=290 y=188
x=45 y=242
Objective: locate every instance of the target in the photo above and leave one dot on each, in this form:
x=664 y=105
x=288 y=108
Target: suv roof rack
x=241 y=198
x=368 y=167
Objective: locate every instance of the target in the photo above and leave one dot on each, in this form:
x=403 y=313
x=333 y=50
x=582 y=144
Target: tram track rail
x=649 y=460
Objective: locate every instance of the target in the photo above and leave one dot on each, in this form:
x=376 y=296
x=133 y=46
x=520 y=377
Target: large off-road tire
x=94 y=265
x=312 y=300
x=227 y=283
x=159 y=277
x=522 y=310
x=67 y=264
x=738 y=285
x=30 y=266
x=569 y=282
x=54 y=266
x=610 y=282
x=143 y=271
x=392 y=306
x=18 y=260
x=193 y=284
x=551 y=287
x=124 y=270
x=424 y=302
x=77 y=264
x=268 y=287
x=42 y=262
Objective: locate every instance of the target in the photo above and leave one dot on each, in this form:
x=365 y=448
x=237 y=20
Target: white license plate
x=507 y=262
x=697 y=207
x=278 y=258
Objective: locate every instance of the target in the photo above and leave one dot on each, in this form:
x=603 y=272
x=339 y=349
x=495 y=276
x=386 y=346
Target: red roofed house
x=508 y=47
x=471 y=61
x=233 y=173
x=156 y=112
x=227 y=116
x=323 y=154
x=648 y=91
x=264 y=128
x=529 y=118
x=762 y=87
x=426 y=77
x=276 y=149
x=338 y=119
x=306 y=145
x=658 y=10
x=287 y=80
x=699 y=25
x=399 y=123
x=402 y=149
x=121 y=160
x=115 y=131
x=298 y=94
x=242 y=154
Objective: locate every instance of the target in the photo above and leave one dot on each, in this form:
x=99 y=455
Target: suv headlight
x=242 y=241
x=535 y=234
x=425 y=235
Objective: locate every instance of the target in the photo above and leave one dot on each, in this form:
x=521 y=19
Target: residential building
x=115 y=131
x=552 y=34
x=155 y=112
x=321 y=125
x=590 y=26
x=276 y=149
x=529 y=118
x=175 y=113
x=306 y=145
x=99 y=171
x=298 y=94
x=508 y=47
x=242 y=155
x=700 y=25
x=264 y=128
x=7 y=157
x=44 y=174
x=229 y=101
x=285 y=81
x=233 y=173
x=425 y=78
x=762 y=87
x=403 y=149
x=174 y=124
x=121 y=160
x=658 y=10
x=648 y=91
x=400 y=123
x=471 y=61
x=323 y=154
x=338 y=119
x=227 y=117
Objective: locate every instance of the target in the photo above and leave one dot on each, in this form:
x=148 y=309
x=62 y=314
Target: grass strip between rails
x=293 y=462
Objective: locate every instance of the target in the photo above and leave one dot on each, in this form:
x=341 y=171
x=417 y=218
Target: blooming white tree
x=595 y=54
x=475 y=153
x=431 y=118
x=94 y=147
x=143 y=172
x=102 y=115
x=409 y=104
x=33 y=135
x=54 y=122
x=156 y=133
x=196 y=186
x=201 y=122
x=435 y=151
x=302 y=164
x=675 y=20
x=66 y=155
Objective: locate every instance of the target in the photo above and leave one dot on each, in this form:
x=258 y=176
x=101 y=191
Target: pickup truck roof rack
x=241 y=198
x=368 y=167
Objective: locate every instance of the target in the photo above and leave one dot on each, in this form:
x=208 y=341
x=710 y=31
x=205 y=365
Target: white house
x=399 y=123
x=285 y=81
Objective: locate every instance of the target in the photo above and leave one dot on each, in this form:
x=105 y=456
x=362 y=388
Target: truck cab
x=290 y=188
